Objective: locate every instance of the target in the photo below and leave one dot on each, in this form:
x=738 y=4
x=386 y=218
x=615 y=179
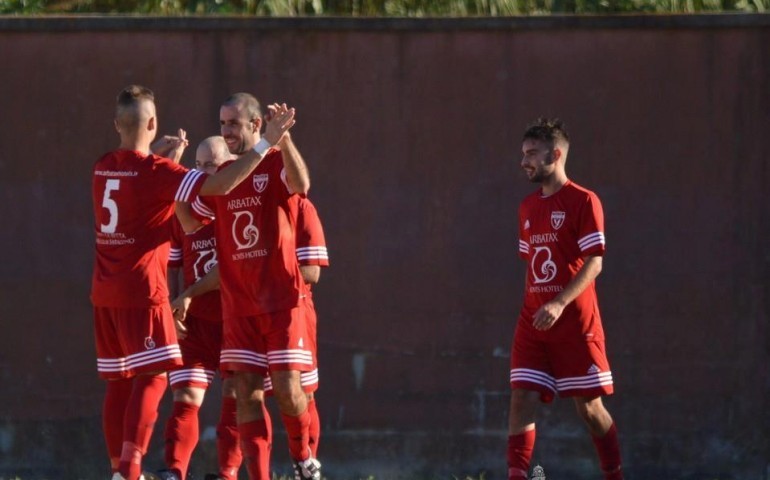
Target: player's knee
x=590 y=409
x=228 y=389
x=193 y=396
x=524 y=400
x=291 y=399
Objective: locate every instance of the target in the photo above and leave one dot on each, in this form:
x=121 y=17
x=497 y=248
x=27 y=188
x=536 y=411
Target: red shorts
x=130 y=341
x=308 y=380
x=273 y=341
x=571 y=369
x=200 y=354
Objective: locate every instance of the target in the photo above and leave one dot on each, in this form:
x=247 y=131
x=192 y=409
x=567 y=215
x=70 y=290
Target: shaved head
x=211 y=153
x=135 y=107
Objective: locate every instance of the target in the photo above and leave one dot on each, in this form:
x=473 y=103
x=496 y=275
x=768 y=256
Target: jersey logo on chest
x=557 y=219
x=260 y=182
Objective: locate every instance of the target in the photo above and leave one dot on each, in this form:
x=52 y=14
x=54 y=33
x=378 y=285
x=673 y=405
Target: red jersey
x=311 y=244
x=133 y=197
x=258 y=267
x=555 y=234
x=196 y=254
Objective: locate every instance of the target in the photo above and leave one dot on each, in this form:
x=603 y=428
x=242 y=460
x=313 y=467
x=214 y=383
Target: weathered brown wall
x=412 y=132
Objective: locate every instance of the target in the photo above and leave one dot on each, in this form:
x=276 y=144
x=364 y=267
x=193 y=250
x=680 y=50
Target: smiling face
x=538 y=159
x=240 y=132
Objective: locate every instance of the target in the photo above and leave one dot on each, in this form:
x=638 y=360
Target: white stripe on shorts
x=598 y=379
x=123 y=364
x=305 y=379
x=243 y=356
x=198 y=375
x=533 y=376
x=304 y=357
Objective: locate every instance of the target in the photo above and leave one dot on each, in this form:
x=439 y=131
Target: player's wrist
x=262 y=146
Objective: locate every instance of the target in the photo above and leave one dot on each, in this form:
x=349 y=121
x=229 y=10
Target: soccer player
x=197 y=307
x=133 y=194
x=263 y=293
x=312 y=254
x=558 y=345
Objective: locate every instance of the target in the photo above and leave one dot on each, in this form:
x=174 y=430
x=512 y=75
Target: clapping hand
x=279 y=119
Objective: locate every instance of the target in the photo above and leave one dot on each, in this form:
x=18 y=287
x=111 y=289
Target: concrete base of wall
x=74 y=450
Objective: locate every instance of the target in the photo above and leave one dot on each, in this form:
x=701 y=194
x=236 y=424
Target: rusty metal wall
x=411 y=129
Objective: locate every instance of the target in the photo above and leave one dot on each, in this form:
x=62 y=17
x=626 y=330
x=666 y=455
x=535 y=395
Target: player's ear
x=117 y=127
x=151 y=124
x=556 y=154
x=257 y=124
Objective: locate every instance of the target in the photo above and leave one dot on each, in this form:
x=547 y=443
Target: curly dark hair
x=550 y=130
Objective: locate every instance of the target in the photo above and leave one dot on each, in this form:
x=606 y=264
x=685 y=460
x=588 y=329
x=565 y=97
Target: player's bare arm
x=310 y=273
x=297 y=175
x=175 y=281
x=190 y=224
x=547 y=315
x=181 y=304
x=222 y=182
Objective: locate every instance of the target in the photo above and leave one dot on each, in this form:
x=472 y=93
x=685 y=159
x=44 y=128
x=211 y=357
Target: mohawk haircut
x=128 y=103
x=550 y=130
x=249 y=103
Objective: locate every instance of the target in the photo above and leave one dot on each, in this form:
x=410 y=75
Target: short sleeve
x=203 y=209
x=523 y=233
x=591 y=227
x=176 y=256
x=178 y=183
x=311 y=243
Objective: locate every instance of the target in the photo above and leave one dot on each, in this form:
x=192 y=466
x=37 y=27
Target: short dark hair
x=248 y=101
x=550 y=130
x=128 y=103
x=133 y=94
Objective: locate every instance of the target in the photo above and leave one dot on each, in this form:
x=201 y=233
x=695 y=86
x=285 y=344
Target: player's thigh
x=530 y=365
x=135 y=341
x=287 y=340
x=243 y=345
x=248 y=386
x=581 y=369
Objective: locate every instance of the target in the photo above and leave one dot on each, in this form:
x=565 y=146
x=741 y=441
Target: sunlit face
x=207 y=162
x=206 y=165
x=537 y=160
x=240 y=132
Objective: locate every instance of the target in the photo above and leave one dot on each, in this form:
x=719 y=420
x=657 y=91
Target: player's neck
x=135 y=144
x=553 y=183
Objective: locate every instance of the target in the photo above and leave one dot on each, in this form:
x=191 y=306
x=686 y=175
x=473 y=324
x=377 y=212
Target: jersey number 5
x=110 y=205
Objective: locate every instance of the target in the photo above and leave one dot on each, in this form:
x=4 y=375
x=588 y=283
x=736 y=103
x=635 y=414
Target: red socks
x=181 y=437
x=113 y=412
x=228 y=448
x=314 y=429
x=608 y=449
x=297 y=431
x=520 y=449
x=141 y=413
x=256 y=442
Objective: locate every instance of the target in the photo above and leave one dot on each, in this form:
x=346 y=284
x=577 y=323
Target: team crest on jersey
x=260 y=182
x=149 y=343
x=557 y=219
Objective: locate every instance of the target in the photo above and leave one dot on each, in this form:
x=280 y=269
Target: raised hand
x=280 y=119
x=171 y=146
